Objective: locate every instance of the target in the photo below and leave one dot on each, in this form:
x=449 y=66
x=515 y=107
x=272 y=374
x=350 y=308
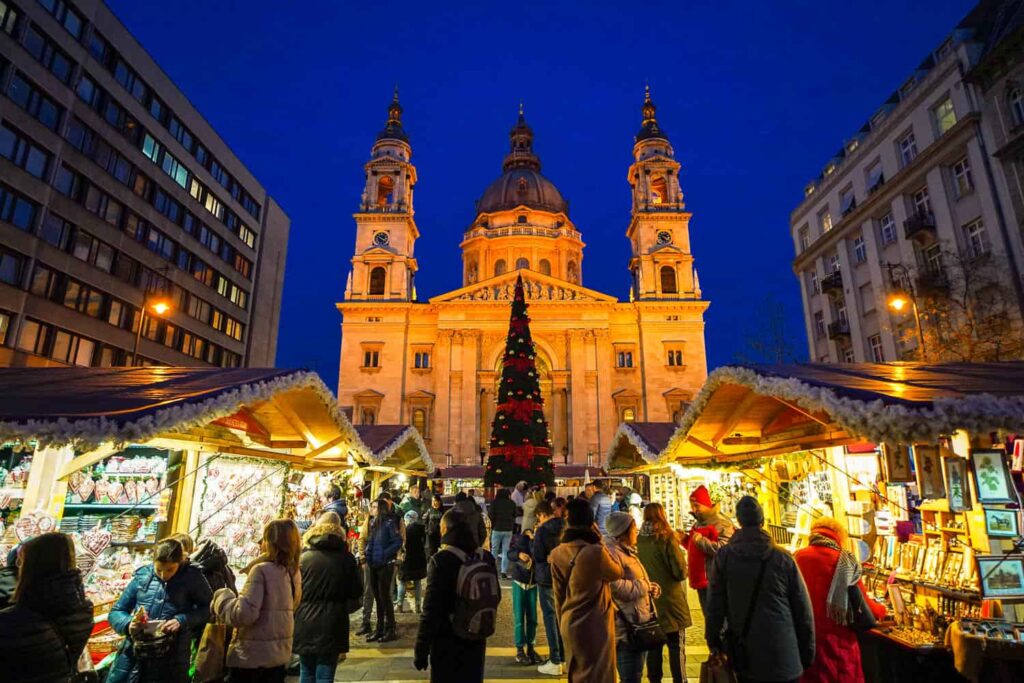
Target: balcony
x=838 y=329
x=919 y=227
x=832 y=283
x=933 y=282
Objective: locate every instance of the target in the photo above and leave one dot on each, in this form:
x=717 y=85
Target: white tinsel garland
x=399 y=440
x=627 y=432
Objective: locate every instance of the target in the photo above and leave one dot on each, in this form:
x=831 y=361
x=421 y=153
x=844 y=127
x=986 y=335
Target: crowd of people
x=608 y=576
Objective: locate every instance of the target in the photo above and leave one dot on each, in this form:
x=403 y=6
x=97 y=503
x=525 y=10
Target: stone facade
x=434 y=364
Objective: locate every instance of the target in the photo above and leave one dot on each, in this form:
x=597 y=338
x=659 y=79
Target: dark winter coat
x=451 y=658
x=517 y=569
x=414 y=560
x=212 y=561
x=384 y=540
x=547 y=537
x=8 y=581
x=186 y=597
x=432 y=523
x=502 y=512
x=43 y=635
x=474 y=518
x=340 y=508
x=331 y=579
x=783 y=607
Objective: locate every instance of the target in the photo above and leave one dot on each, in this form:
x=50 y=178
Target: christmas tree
x=520 y=450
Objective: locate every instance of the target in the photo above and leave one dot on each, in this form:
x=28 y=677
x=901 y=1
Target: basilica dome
x=522 y=183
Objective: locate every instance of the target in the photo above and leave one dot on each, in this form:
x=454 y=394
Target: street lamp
x=158 y=307
x=900 y=299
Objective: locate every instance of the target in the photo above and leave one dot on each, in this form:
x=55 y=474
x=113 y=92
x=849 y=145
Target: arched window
x=471 y=272
x=385 y=189
x=628 y=415
x=499 y=267
x=522 y=264
x=1016 y=102
x=377 y=278
x=545 y=266
x=659 y=191
x=419 y=421
x=572 y=272
x=668 y=280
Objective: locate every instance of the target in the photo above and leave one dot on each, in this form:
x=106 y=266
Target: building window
x=906 y=149
x=675 y=358
x=544 y=266
x=371 y=359
x=887 y=227
x=377 y=278
x=833 y=263
x=368 y=416
x=521 y=220
x=17 y=210
x=419 y=421
x=628 y=415
x=943 y=116
x=860 y=250
x=847 y=201
x=976 y=238
x=499 y=267
x=573 y=273
x=8 y=18
x=848 y=356
x=922 y=202
x=522 y=264
x=421 y=360
x=963 y=183
x=841 y=315
x=825 y=221
x=814 y=284
x=874 y=177
x=668 y=280
x=819 y=324
x=932 y=258
x=1016 y=101
x=624 y=359
x=23 y=153
x=11 y=267
x=804 y=238
x=875 y=345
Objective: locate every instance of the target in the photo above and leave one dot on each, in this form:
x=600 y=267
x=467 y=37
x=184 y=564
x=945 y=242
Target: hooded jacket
x=383 y=539
x=42 y=636
x=503 y=512
x=413 y=566
x=186 y=597
x=263 y=613
x=330 y=580
x=340 y=508
x=666 y=566
x=783 y=607
x=546 y=539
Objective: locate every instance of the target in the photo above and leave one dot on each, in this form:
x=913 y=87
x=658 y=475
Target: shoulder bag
x=646 y=635
x=735 y=644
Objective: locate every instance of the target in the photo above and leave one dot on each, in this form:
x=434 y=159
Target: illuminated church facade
x=435 y=363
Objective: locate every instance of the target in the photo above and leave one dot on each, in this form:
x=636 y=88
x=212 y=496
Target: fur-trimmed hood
x=324 y=536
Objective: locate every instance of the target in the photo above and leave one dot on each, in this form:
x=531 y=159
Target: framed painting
x=1001 y=523
x=1001 y=577
x=928 y=464
x=992 y=481
x=897 y=464
x=958 y=491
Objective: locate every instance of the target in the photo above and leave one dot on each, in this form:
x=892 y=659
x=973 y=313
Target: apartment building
x=907 y=245
x=129 y=231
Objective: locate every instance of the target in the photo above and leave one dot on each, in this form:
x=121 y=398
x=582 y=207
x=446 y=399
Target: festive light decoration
x=522 y=452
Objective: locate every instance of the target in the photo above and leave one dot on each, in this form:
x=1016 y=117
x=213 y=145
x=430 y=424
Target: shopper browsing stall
x=710 y=533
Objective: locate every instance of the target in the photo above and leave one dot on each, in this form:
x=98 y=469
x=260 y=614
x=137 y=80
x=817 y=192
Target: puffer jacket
x=330 y=580
x=383 y=540
x=546 y=539
x=602 y=504
x=413 y=566
x=42 y=636
x=632 y=592
x=340 y=508
x=186 y=597
x=263 y=613
x=782 y=609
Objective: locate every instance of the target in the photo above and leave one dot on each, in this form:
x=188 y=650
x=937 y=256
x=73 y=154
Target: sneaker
x=521 y=656
x=550 y=669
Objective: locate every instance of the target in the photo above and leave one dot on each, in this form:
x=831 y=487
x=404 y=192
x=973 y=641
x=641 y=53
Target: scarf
x=848 y=571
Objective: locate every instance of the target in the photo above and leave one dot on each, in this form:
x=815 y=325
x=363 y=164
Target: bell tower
x=659 y=230
x=384 y=263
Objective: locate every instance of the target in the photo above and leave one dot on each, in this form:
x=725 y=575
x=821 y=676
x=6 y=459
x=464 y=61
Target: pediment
x=377 y=249
x=536 y=286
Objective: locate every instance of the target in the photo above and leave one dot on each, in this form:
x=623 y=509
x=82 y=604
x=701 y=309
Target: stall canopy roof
x=288 y=414
x=397 y=446
x=638 y=444
x=755 y=410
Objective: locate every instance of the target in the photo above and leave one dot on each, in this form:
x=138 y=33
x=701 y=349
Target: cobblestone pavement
x=392 y=662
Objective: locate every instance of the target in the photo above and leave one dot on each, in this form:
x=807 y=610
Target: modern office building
x=908 y=245
x=121 y=210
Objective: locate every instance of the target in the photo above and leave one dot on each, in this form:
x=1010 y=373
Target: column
x=442 y=412
x=469 y=395
x=577 y=394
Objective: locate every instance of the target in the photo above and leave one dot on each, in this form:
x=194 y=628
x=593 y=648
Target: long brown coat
x=583 y=600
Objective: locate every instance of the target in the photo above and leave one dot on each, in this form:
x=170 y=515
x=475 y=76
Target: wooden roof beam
x=322 y=449
x=794 y=407
x=735 y=416
x=296 y=422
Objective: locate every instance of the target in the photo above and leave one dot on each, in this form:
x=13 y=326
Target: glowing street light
x=898 y=302
x=158 y=307
x=900 y=299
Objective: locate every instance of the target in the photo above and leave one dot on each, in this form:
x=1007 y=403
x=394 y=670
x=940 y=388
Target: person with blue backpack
x=460 y=607
x=383 y=542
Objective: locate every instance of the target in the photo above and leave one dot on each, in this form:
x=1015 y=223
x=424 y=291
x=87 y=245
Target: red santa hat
x=702 y=496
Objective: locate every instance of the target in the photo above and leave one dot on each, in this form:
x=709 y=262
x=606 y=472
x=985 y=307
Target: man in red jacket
x=711 y=531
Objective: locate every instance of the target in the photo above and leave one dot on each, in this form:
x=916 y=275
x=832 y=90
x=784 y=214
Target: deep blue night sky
x=755 y=96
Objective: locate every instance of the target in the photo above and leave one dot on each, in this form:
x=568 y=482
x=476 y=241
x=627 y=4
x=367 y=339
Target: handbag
x=861 y=618
x=716 y=670
x=646 y=635
x=211 y=656
x=735 y=645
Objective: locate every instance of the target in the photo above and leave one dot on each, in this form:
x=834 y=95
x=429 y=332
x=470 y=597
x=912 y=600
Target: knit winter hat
x=579 y=514
x=617 y=523
x=749 y=512
x=701 y=495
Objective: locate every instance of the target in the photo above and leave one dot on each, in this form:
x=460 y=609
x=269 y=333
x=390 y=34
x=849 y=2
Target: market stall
x=119 y=458
x=917 y=461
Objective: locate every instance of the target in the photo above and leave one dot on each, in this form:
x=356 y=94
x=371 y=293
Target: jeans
x=415 y=588
x=629 y=662
x=367 y=596
x=499 y=547
x=524 y=614
x=380 y=579
x=317 y=669
x=547 y=610
x=676 y=659
x=702 y=597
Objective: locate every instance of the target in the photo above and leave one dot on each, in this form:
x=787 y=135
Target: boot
x=389 y=636
x=376 y=636
x=532 y=654
x=364 y=630
x=419 y=606
x=521 y=656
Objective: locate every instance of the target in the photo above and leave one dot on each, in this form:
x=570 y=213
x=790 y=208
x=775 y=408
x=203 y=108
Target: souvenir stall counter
x=922 y=466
